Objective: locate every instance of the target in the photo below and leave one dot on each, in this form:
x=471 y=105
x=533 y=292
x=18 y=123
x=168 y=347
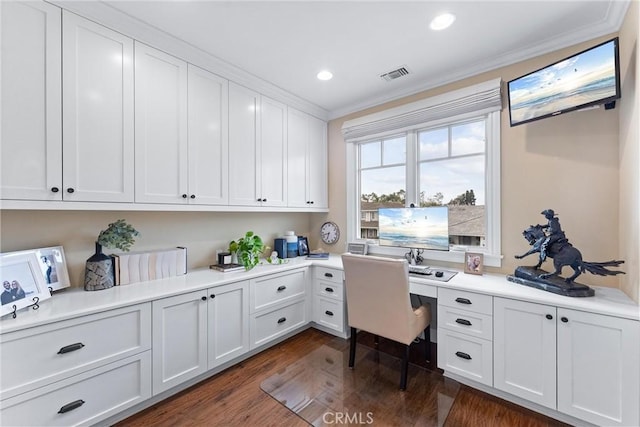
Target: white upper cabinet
x=208 y=138
x=307 y=161
x=257 y=147
x=31 y=138
x=161 y=127
x=98 y=155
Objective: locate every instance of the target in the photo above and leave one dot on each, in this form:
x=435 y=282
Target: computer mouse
x=439 y=274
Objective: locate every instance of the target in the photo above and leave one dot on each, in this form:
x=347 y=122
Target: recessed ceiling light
x=442 y=21
x=325 y=75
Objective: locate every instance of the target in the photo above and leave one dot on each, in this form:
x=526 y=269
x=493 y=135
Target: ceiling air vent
x=395 y=74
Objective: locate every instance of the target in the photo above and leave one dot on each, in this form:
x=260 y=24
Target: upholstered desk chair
x=378 y=302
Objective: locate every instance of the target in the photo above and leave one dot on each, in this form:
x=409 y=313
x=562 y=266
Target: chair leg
x=405 y=368
x=352 y=347
x=427 y=343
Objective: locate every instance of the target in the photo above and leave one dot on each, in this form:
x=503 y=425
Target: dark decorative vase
x=98 y=272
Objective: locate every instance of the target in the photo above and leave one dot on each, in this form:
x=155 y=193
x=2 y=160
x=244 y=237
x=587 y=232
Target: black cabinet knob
x=329 y=290
x=548 y=316
x=184 y=196
x=312 y=202
x=328 y=313
x=193 y=196
x=259 y=200
x=70 y=190
x=203 y=298
x=54 y=189
x=281 y=288
x=212 y=296
x=328 y=275
x=264 y=200
x=564 y=319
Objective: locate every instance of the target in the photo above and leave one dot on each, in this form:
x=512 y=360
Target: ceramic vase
x=98 y=271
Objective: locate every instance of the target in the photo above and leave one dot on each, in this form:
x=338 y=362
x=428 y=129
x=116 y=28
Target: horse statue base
x=529 y=276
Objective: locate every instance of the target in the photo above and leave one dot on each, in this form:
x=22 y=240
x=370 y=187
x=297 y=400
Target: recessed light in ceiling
x=442 y=21
x=325 y=75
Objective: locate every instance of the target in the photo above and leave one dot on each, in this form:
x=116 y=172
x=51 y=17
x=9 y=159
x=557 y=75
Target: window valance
x=481 y=98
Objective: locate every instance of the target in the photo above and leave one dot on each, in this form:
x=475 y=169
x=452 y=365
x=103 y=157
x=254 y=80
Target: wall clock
x=330 y=232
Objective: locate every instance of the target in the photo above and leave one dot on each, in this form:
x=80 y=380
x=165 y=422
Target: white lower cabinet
x=228 y=322
x=329 y=302
x=581 y=364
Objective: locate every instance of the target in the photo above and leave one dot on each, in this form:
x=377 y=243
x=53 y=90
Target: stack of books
x=133 y=267
x=225 y=268
x=318 y=255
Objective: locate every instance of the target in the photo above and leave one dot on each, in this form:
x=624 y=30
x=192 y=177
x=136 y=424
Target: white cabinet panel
x=31 y=97
x=269 y=326
x=598 y=369
x=273 y=152
x=98 y=158
x=465 y=355
x=318 y=164
x=228 y=322
x=161 y=127
x=525 y=350
x=208 y=138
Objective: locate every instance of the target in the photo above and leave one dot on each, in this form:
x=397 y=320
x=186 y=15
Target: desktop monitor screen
x=421 y=228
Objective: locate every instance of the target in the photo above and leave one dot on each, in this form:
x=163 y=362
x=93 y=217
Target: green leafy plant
x=248 y=249
x=118 y=235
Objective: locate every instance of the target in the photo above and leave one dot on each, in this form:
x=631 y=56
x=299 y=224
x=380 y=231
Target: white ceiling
x=286 y=43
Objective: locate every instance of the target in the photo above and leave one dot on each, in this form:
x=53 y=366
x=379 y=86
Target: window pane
x=452 y=177
x=370 y=154
x=384 y=184
x=468 y=138
x=395 y=151
x=434 y=144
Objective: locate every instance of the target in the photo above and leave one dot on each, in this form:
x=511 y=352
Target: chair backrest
x=378 y=298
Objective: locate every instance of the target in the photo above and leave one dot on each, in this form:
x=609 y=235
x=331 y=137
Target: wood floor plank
x=234 y=398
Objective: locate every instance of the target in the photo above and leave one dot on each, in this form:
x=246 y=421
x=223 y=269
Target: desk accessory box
x=133 y=267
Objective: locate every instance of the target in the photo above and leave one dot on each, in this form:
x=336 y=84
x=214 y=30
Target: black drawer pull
x=328 y=313
x=281 y=288
x=71 y=406
x=463 y=322
x=71 y=347
x=463 y=301
x=330 y=290
x=463 y=355
x=548 y=316
x=328 y=275
x=282 y=320
x=564 y=319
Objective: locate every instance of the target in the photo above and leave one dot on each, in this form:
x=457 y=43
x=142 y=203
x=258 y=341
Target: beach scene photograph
x=421 y=228
x=576 y=81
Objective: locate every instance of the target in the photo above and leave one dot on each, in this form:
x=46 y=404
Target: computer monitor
x=418 y=228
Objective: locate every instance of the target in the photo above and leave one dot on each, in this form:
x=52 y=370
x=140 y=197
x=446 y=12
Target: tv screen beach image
x=422 y=228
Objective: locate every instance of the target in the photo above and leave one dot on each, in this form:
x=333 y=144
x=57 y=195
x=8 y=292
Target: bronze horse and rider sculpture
x=554 y=244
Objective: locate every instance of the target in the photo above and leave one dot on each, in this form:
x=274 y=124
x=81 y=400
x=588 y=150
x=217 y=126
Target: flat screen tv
x=418 y=228
x=588 y=78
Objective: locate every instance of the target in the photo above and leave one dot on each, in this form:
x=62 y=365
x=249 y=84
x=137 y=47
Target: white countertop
x=73 y=302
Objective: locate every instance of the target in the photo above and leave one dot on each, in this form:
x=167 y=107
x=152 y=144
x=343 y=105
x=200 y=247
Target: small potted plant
x=248 y=249
x=99 y=273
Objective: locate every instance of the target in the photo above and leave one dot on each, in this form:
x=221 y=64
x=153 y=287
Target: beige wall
x=201 y=232
x=568 y=163
x=630 y=152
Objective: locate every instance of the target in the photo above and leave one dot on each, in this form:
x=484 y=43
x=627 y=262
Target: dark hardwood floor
x=234 y=397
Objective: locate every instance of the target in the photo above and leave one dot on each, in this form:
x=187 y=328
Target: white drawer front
x=329 y=313
x=329 y=290
x=268 y=326
x=328 y=274
x=70 y=347
x=105 y=391
x=466 y=356
x=466 y=322
x=274 y=290
x=464 y=300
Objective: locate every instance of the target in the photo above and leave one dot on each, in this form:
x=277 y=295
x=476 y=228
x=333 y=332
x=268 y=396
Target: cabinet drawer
x=464 y=300
x=328 y=274
x=329 y=313
x=104 y=391
x=277 y=289
x=70 y=347
x=466 y=322
x=466 y=356
x=329 y=290
x=268 y=326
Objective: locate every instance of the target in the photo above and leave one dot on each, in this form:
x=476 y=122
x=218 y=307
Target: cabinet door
x=243 y=146
x=161 y=127
x=317 y=158
x=598 y=368
x=524 y=350
x=228 y=321
x=273 y=153
x=208 y=138
x=179 y=339
x=98 y=112
x=297 y=143
x=31 y=111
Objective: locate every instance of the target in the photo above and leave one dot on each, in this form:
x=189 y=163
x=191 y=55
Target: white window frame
x=492 y=251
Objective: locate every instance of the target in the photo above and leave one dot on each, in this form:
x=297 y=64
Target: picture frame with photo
x=303 y=246
x=23 y=284
x=53 y=266
x=473 y=263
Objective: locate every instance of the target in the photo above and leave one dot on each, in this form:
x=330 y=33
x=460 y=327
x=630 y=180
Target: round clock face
x=329 y=232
